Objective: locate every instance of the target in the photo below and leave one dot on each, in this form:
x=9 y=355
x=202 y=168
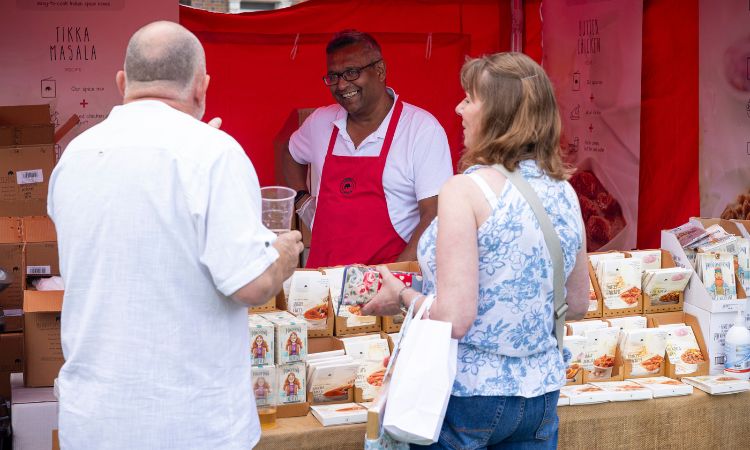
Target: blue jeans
x=499 y=423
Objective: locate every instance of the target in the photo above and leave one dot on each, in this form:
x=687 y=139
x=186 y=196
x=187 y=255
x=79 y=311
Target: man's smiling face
x=358 y=96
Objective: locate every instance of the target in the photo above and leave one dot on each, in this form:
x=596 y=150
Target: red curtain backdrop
x=264 y=66
x=259 y=77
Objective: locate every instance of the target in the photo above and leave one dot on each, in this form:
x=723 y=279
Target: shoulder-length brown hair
x=519 y=115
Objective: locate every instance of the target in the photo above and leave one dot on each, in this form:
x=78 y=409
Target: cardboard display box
x=282 y=304
x=11 y=320
x=596 y=313
x=637 y=308
x=24 y=191
x=585 y=376
x=743 y=226
x=25 y=125
x=11 y=260
x=696 y=293
x=330 y=322
x=34 y=415
x=655 y=320
x=326 y=344
x=269 y=305
x=358 y=394
x=648 y=308
x=713 y=329
x=40 y=253
x=42 y=344
x=627 y=368
x=342 y=329
x=617 y=371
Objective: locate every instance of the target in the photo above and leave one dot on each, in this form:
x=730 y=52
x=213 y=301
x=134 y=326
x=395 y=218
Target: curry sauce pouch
x=644 y=349
x=308 y=298
x=601 y=347
x=683 y=350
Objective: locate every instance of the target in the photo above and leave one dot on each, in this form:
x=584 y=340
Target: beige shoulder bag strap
x=553 y=246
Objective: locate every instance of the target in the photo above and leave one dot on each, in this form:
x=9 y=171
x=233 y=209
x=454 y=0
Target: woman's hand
x=386 y=302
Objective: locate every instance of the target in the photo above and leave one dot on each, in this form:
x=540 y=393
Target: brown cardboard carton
x=311 y=315
x=596 y=313
x=292 y=410
x=11 y=322
x=626 y=366
x=326 y=344
x=41 y=256
x=342 y=329
x=25 y=125
x=655 y=320
x=617 y=371
x=268 y=305
x=666 y=262
x=696 y=293
x=11 y=352
x=637 y=308
x=330 y=320
x=42 y=344
x=25 y=177
x=11 y=260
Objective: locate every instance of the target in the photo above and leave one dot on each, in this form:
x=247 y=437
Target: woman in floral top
x=489 y=266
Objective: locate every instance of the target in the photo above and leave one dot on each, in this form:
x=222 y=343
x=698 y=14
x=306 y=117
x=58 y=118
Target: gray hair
x=164 y=52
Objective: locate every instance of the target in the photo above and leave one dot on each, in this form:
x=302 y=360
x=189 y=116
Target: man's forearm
x=410 y=251
x=295 y=174
x=427 y=212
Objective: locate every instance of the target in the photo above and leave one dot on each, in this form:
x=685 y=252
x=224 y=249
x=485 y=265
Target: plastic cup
x=277 y=208
x=267 y=416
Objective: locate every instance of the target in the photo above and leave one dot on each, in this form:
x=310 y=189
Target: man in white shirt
x=377 y=163
x=161 y=249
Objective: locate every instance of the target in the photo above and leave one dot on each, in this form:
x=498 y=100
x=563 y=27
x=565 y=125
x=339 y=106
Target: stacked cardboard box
x=27 y=157
x=715 y=317
x=28 y=246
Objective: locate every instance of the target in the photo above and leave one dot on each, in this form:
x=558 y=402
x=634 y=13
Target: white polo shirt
x=158 y=222
x=418 y=163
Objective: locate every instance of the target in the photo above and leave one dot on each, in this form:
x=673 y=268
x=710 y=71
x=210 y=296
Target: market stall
x=696 y=421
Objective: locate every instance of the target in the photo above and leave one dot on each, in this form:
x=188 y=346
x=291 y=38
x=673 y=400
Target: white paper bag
x=422 y=380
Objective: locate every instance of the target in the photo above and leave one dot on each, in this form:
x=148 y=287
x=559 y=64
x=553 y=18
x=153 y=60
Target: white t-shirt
x=418 y=163
x=158 y=221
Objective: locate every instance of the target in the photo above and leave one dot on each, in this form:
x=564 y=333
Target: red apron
x=352 y=224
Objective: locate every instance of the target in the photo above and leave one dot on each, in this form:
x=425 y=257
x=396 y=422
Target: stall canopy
x=265 y=66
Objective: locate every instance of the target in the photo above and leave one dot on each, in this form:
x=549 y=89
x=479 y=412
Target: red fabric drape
x=263 y=66
x=669 y=112
x=256 y=83
x=669 y=192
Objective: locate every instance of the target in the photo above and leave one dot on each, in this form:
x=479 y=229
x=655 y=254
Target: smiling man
x=377 y=163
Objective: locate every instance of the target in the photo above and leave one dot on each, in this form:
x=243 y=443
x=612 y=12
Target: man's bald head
x=164 y=53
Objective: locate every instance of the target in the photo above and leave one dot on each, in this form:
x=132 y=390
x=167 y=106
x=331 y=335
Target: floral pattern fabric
x=511 y=350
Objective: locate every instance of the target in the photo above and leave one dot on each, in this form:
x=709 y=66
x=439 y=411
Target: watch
x=299 y=195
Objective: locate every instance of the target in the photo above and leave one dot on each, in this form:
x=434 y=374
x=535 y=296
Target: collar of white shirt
x=340 y=122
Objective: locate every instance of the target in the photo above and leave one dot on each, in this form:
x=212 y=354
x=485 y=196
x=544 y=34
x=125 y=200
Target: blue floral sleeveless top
x=511 y=350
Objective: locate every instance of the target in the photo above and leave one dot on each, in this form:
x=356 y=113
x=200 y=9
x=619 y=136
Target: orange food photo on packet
x=318 y=312
x=692 y=356
x=376 y=378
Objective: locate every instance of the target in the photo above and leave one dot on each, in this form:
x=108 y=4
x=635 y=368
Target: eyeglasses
x=352 y=74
